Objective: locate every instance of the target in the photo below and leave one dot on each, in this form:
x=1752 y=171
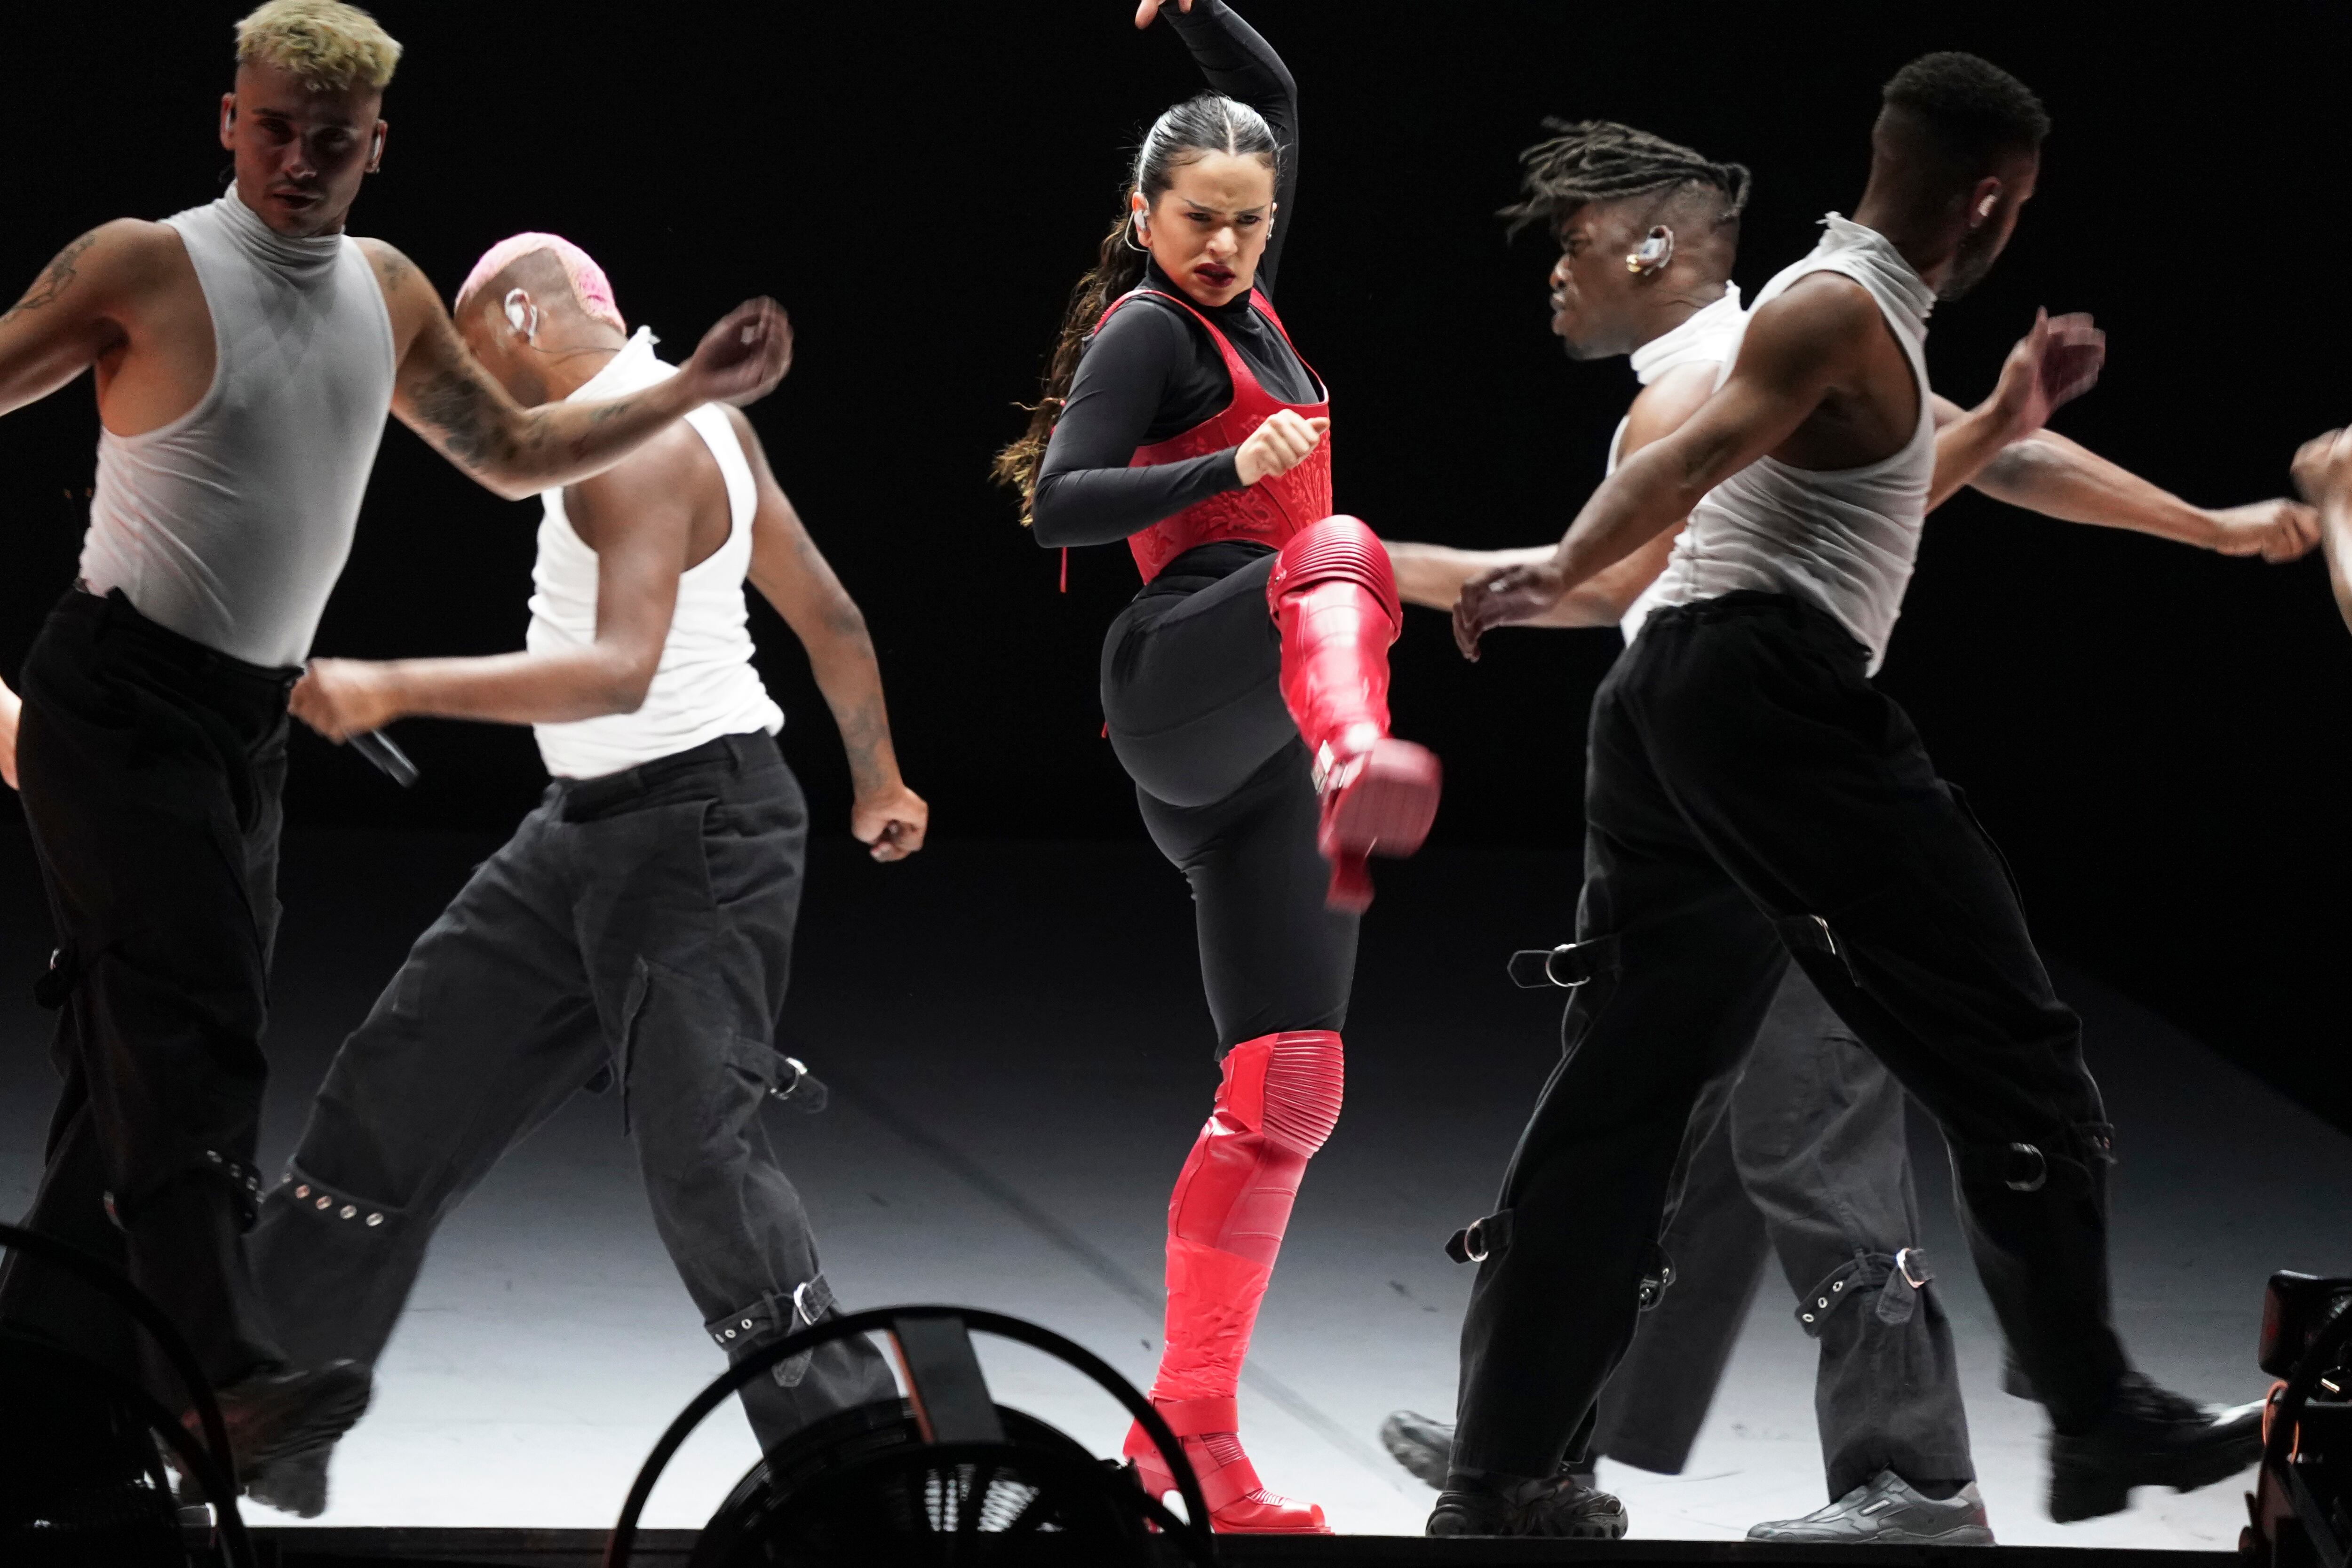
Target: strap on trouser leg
x=771 y=1317
x=1899 y=1277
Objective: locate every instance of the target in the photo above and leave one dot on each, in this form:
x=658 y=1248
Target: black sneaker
x=272 y=1416
x=293 y=1483
x=1565 y=1508
x=1887 y=1511
x=1421 y=1446
x=2152 y=1437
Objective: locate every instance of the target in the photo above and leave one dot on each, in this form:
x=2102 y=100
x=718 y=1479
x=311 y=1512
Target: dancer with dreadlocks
x=1245 y=688
x=1802 y=1152
x=1753 y=798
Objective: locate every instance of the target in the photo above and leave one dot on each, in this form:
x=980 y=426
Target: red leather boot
x=1334 y=597
x=1278 y=1102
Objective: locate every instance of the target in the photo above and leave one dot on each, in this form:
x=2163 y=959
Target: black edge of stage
x=315 y=1548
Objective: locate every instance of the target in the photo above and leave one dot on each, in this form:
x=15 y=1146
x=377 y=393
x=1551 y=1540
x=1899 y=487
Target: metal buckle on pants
x=1568 y=966
x=1481 y=1239
x=2040 y=1176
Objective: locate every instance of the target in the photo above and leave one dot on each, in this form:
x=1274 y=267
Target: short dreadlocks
x=1591 y=161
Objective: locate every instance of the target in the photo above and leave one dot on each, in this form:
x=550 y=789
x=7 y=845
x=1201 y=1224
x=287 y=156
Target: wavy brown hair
x=1208 y=123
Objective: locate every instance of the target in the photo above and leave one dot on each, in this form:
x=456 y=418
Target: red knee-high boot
x=1334 y=597
x=1278 y=1103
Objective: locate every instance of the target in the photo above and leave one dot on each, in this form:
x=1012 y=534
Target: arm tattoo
x=864 y=730
x=54 y=279
x=458 y=405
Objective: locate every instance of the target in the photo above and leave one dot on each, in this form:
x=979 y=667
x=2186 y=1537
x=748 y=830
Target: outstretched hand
x=2055 y=363
x=2323 y=467
x=742 y=359
x=2276 y=531
x=1149 y=9
x=1503 y=597
x=890 y=822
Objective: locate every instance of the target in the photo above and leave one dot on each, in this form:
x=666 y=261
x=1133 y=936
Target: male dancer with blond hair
x=245 y=354
x=638 y=925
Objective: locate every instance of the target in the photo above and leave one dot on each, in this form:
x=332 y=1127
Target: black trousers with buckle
x=152 y=769
x=636 y=928
x=1751 y=797
x=1802 y=1155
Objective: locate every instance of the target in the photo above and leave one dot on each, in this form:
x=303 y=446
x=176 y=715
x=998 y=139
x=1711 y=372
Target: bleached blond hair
x=323 y=43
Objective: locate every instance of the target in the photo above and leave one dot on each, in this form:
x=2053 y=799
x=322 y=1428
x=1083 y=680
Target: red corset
x=1270 y=510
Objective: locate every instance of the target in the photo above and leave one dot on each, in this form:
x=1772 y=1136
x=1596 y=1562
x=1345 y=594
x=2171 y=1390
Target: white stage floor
x=1013 y=1098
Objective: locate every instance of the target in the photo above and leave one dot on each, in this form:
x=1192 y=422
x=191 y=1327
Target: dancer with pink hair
x=637 y=930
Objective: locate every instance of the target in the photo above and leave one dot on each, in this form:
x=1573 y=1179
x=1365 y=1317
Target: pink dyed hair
x=594 y=290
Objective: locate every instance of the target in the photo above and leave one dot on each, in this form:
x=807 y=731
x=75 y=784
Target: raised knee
x=1339 y=549
x=1286 y=1087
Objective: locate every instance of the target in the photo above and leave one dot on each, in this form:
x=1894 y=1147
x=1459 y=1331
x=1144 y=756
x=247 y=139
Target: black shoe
x=274 y=1416
x=293 y=1483
x=1421 y=1446
x=2152 y=1437
x=1564 y=1508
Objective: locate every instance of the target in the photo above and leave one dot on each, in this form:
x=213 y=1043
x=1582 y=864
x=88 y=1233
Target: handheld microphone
x=381 y=749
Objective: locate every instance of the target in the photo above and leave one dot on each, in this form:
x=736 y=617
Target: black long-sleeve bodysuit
x=1191 y=668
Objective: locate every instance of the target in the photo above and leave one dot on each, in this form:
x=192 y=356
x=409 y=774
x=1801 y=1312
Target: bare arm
x=72 y=314
x=1435 y=574
x=444 y=395
x=1796 y=348
x=793 y=576
x=2060 y=479
x=2323 y=472
x=639 y=518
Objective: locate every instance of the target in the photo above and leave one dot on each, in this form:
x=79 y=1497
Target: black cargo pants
x=1802 y=1155
x=637 y=927
x=1752 y=796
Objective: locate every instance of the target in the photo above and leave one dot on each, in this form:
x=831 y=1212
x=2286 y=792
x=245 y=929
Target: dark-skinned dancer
x=245 y=354
x=1802 y=1150
x=1245 y=687
x=1752 y=797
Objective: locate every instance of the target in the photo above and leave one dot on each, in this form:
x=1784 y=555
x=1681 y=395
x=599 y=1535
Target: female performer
x=1245 y=687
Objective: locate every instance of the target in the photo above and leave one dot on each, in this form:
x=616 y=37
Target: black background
x=2157 y=736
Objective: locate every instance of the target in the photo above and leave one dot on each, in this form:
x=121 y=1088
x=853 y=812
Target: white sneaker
x=1888 y=1511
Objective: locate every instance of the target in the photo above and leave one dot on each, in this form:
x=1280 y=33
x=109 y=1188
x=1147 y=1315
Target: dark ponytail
x=1209 y=123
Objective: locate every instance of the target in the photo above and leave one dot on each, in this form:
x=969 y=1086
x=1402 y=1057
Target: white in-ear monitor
x=521 y=314
x=1657 y=250
x=1984 y=207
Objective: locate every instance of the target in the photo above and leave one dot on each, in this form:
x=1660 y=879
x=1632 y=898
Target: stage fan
x=157 y=1539
x=945 y=1476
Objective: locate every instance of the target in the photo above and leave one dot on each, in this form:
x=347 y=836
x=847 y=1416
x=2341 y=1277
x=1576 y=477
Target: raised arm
x=639 y=518
x=1237 y=62
x=443 y=395
x=1796 y=348
x=1435 y=574
x=2061 y=478
x=795 y=578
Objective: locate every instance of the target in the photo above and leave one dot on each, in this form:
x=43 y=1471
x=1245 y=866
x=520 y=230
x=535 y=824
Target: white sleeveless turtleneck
x=230 y=524
x=705 y=686
x=1710 y=337
x=1841 y=539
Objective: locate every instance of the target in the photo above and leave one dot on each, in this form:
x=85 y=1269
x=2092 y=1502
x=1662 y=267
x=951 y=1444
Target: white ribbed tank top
x=1710 y=336
x=1844 y=538
x=230 y=524
x=705 y=686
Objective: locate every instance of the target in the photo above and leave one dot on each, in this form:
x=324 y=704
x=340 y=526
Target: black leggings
x=1191 y=687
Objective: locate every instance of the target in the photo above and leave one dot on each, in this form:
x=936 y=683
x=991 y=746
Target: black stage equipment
x=2301 y=1507
x=944 y=1476
x=210 y=1462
